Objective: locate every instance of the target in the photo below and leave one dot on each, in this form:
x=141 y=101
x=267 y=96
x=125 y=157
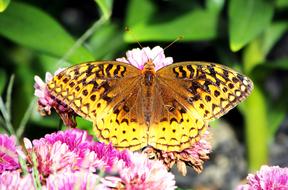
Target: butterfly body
x=148 y=89
x=133 y=108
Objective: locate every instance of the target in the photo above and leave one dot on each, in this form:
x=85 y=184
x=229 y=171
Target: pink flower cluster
x=268 y=178
x=72 y=160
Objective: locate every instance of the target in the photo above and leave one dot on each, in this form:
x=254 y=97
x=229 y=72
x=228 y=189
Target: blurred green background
x=250 y=36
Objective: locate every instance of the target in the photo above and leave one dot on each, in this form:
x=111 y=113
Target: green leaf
x=253 y=55
x=4 y=4
x=3 y=80
x=281 y=3
x=196 y=24
x=105 y=7
x=135 y=13
x=247 y=19
x=215 y=5
x=31 y=27
x=256 y=51
x=47 y=63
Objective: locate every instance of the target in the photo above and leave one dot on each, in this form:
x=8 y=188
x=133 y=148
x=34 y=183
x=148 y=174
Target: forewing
x=101 y=92
x=210 y=90
x=187 y=96
x=88 y=88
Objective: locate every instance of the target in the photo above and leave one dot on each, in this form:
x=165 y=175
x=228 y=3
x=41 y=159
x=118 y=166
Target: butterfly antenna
x=176 y=40
x=127 y=29
x=135 y=39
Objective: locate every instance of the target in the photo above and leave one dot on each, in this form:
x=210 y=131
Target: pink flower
x=268 y=178
x=144 y=173
x=110 y=155
x=8 y=154
x=193 y=156
x=13 y=180
x=138 y=57
x=69 y=159
x=73 y=150
x=52 y=158
x=78 y=180
x=77 y=140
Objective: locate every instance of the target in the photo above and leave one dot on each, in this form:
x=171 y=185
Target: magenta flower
x=77 y=140
x=52 y=158
x=8 y=153
x=11 y=180
x=138 y=57
x=78 y=180
x=268 y=178
x=77 y=147
x=109 y=155
x=70 y=159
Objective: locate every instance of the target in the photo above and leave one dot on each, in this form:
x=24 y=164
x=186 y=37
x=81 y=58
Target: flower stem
x=25 y=118
x=256 y=124
x=8 y=126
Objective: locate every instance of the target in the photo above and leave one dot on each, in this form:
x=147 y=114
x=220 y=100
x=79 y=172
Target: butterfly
x=133 y=108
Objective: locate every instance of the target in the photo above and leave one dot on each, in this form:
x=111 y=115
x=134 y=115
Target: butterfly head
x=149 y=66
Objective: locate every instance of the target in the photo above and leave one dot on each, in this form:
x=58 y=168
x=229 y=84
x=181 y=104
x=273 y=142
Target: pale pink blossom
x=8 y=153
x=267 y=178
x=11 y=180
x=138 y=57
x=45 y=101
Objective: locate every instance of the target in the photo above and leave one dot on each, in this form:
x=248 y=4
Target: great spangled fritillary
x=166 y=109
